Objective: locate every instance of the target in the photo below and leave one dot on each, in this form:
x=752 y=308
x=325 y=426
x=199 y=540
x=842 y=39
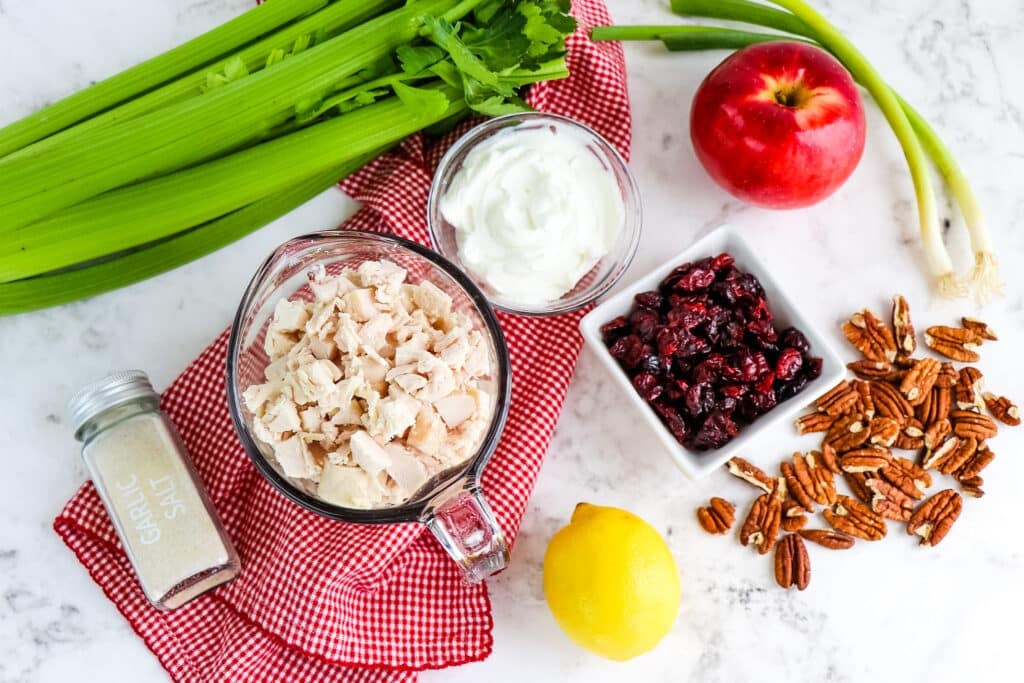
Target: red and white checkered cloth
x=320 y=600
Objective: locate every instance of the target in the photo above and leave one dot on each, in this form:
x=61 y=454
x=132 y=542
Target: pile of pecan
x=897 y=402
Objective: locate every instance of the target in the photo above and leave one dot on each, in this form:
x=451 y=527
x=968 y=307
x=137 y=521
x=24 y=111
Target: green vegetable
x=124 y=268
x=177 y=172
x=154 y=72
x=984 y=280
x=270 y=50
x=150 y=210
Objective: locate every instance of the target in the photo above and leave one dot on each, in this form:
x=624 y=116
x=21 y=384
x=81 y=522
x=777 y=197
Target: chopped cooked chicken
x=372 y=388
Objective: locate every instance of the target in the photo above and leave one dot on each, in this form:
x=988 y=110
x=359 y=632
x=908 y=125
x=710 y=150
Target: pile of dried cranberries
x=703 y=351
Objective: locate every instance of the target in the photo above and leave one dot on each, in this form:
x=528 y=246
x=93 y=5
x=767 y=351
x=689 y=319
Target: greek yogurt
x=534 y=209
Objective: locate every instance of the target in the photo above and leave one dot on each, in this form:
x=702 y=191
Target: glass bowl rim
x=407 y=512
x=633 y=219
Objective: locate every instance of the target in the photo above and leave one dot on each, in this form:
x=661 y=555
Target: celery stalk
x=154 y=72
x=686 y=38
x=123 y=269
x=329 y=21
x=141 y=213
x=199 y=128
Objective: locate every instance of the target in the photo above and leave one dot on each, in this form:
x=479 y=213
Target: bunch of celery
x=918 y=139
x=193 y=149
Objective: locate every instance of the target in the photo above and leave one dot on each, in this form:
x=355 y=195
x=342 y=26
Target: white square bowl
x=785 y=308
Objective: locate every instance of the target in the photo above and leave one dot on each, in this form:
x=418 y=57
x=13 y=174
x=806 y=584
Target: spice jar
x=165 y=521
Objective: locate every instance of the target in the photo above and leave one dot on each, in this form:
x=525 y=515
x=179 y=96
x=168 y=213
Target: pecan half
x=936 y=433
x=884 y=431
x=847 y=433
x=857 y=482
x=935 y=457
x=968 y=389
x=967 y=424
x=761 y=527
x=911 y=436
x=982 y=458
x=972 y=487
x=906 y=342
x=979 y=328
x=717 y=517
x=870 y=336
x=889 y=402
x=809 y=481
x=953 y=342
x=919 y=380
x=829 y=458
x=865 y=460
x=814 y=422
x=908 y=477
x=865 y=404
x=853 y=517
x=936 y=406
x=794 y=516
x=873 y=369
x=959 y=456
x=827 y=538
x=792 y=566
x=1002 y=408
x=837 y=400
x=889 y=501
x=752 y=474
x=933 y=520
x=948 y=376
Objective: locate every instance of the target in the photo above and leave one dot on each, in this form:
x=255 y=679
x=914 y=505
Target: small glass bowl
x=603 y=275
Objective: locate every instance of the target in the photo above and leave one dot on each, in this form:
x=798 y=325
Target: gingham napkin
x=320 y=600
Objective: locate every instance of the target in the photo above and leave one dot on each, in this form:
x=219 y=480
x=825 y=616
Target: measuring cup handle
x=465 y=526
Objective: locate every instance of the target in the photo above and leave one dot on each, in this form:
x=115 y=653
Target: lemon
x=611 y=582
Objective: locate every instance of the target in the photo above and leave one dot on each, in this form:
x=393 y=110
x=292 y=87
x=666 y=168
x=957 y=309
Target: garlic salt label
x=139 y=512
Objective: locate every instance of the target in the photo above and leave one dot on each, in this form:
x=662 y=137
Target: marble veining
x=881 y=612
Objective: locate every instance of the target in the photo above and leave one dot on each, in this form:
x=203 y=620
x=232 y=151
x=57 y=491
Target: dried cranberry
x=628 y=351
x=667 y=341
x=733 y=390
x=645 y=323
x=676 y=390
x=791 y=388
x=649 y=300
x=700 y=398
x=651 y=362
x=615 y=328
x=709 y=369
x=757 y=403
x=788 y=365
x=746 y=367
x=648 y=386
x=792 y=338
x=727 y=405
x=721 y=262
x=718 y=429
x=763 y=331
x=673 y=421
x=730 y=336
x=695 y=280
x=812 y=368
x=690 y=346
x=688 y=314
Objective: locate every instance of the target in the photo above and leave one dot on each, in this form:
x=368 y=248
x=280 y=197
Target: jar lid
x=112 y=390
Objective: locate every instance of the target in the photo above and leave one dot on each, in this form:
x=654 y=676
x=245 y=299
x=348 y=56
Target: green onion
x=141 y=213
x=139 y=79
x=327 y=23
x=152 y=259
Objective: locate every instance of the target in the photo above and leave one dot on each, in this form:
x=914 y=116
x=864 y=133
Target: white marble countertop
x=883 y=612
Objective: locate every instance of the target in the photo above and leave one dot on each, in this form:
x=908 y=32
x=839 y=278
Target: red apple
x=779 y=124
